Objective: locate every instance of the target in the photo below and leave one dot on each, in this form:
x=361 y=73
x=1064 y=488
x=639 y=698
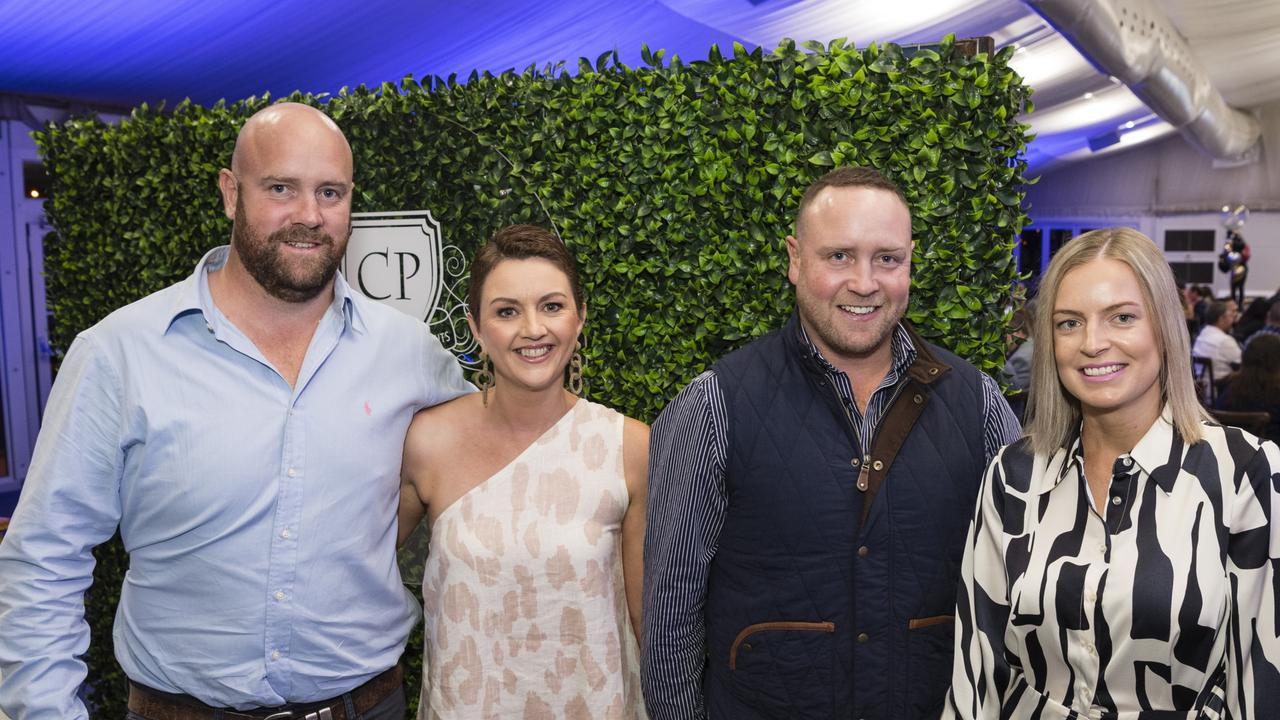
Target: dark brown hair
x=519 y=242
x=1256 y=385
x=849 y=176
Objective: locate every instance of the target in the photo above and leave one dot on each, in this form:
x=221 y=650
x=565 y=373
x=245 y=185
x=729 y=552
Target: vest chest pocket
x=785 y=666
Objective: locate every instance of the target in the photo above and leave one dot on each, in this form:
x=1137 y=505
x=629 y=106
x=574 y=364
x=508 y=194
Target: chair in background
x=1202 y=371
x=1253 y=422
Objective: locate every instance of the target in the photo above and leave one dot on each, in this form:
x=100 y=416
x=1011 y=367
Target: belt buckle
x=283 y=715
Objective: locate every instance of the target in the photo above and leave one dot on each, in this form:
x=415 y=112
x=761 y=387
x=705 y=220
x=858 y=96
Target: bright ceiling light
x=1107 y=108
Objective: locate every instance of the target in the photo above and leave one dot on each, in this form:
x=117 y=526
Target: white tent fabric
x=123 y=52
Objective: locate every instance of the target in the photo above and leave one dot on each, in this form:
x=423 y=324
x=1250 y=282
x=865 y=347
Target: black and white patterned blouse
x=1162 y=604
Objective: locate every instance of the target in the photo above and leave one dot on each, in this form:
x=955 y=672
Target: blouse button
x=1115 y=500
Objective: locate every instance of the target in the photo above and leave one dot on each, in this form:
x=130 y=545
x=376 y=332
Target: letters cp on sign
x=396 y=258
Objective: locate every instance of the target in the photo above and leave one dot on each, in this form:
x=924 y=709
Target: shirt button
x=279 y=595
x=292 y=473
x=863 y=637
x=864 y=551
x=1126 y=462
x=275 y=654
x=286 y=534
x=1115 y=500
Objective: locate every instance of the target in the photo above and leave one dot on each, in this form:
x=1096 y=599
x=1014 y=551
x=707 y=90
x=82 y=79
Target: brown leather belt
x=156 y=705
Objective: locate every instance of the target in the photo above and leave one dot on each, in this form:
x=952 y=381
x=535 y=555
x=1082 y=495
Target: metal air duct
x=1134 y=41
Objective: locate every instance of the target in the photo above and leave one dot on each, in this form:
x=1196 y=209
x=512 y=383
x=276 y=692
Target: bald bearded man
x=243 y=430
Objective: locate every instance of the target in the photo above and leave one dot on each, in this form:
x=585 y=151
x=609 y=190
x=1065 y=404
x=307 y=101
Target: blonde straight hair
x=1054 y=413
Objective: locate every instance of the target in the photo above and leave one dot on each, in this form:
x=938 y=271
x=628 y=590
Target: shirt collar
x=901 y=348
x=1157 y=454
x=192 y=294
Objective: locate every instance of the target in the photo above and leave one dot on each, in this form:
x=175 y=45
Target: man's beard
x=264 y=258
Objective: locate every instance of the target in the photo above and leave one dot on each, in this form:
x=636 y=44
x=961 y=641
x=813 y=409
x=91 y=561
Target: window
x=1029 y=251
x=1190 y=240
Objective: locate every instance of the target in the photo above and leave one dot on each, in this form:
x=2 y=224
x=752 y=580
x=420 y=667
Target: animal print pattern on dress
x=523 y=598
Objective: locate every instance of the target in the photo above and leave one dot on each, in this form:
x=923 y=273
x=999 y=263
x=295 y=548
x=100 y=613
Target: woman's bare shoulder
x=439 y=427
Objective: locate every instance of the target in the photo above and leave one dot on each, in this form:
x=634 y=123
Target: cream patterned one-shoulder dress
x=523 y=597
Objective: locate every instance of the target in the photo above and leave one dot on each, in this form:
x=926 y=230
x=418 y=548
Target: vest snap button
x=863 y=637
x=855 y=462
x=877 y=465
x=918 y=398
x=933 y=371
x=746 y=647
x=864 y=551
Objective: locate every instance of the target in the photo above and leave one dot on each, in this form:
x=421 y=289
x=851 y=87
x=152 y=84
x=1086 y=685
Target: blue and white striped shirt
x=687 y=501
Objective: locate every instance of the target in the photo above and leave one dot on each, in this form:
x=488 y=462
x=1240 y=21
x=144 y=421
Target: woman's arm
x=1253 y=553
x=980 y=674
x=415 y=465
x=635 y=458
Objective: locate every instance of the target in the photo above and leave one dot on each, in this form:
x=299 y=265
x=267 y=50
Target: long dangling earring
x=575 y=371
x=484 y=377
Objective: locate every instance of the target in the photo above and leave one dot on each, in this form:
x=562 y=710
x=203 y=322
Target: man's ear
x=230 y=190
x=793 y=254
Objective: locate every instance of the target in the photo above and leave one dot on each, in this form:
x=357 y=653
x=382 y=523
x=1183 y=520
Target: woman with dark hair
x=1255 y=387
x=1122 y=559
x=535 y=501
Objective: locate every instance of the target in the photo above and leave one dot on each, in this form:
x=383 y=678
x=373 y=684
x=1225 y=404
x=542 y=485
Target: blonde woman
x=1122 y=562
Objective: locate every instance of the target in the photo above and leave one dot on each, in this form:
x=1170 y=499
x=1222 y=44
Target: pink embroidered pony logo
x=368 y=410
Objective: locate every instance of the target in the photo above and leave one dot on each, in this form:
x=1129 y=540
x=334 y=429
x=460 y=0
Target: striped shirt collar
x=901 y=348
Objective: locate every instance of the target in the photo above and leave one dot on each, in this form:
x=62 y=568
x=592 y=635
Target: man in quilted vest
x=810 y=493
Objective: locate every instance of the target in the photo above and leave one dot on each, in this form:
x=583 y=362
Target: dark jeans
x=390 y=709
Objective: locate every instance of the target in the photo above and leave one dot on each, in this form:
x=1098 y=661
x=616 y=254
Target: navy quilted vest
x=833 y=587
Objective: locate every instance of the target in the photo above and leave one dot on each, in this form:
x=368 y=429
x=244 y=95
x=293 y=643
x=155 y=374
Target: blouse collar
x=1157 y=453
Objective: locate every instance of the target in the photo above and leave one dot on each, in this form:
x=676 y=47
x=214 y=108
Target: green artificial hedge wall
x=674 y=184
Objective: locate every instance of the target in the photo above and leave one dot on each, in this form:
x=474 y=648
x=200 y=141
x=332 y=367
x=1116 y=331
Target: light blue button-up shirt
x=259 y=518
